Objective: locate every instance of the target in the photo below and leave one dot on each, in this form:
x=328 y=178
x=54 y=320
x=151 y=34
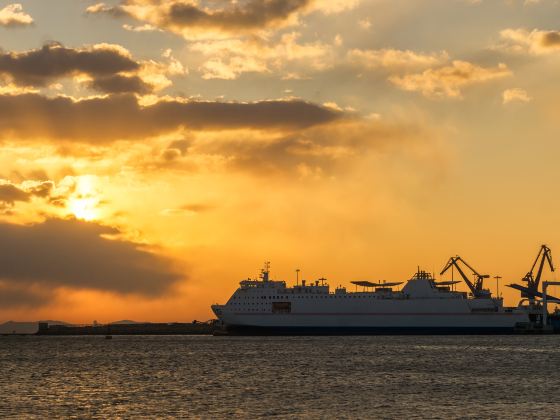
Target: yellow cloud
x=536 y=42
x=13 y=15
x=515 y=95
x=193 y=20
x=396 y=59
x=448 y=81
x=228 y=59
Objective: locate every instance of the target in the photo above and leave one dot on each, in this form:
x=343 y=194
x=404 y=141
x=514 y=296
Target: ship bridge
x=423 y=285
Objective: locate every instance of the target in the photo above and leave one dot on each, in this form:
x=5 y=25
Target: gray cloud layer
x=13 y=296
x=120 y=84
x=121 y=117
x=43 y=66
x=74 y=254
x=249 y=15
x=315 y=151
x=10 y=193
x=253 y=14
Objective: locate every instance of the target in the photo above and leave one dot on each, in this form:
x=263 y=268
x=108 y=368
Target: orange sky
x=156 y=153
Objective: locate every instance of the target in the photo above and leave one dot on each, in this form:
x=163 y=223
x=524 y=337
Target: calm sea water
x=314 y=377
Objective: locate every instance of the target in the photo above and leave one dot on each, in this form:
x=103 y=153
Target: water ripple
x=282 y=377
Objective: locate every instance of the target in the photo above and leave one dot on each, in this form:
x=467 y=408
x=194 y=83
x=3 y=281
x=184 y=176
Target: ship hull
x=324 y=331
x=372 y=324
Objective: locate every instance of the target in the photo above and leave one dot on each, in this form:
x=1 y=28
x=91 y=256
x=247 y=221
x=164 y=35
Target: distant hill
x=25 y=327
x=128 y=322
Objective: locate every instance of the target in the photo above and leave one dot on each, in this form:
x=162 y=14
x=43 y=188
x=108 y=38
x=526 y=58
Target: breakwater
x=174 y=328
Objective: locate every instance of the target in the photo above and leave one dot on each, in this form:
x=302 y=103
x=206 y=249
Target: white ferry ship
x=422 y=306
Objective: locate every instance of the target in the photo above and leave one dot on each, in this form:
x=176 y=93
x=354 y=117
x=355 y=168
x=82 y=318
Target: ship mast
x=265 y=272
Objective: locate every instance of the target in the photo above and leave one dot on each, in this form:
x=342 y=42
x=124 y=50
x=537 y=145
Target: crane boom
x=532 y=290
x=476 y=288
x=546 y=256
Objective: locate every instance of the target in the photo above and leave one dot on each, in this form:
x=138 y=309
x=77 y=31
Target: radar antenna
x=265 y=272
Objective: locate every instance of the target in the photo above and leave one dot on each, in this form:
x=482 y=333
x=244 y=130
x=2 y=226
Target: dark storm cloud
x=14 y=296
x=74 y=254
x=10 y=193
x=43 y=66
x=252 y=14
x=327 y=149
x=551 y=39
x=120 y=84
x=121 y=117
x=260 y=115
x=249 y=15
x=175 y=150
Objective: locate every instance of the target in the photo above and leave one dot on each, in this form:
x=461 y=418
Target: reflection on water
x=200 y=376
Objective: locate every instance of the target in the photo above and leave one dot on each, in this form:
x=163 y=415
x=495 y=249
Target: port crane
x=531 y=291
x=475 y=287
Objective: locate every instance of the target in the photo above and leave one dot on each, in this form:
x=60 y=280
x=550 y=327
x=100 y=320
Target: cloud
x=107 y=68
x=176 y=149
x=13 y=16
x=142 y=28
x=365 y=24
x=16 y=296
x=41 y=67
x=78 y=255
x=117 y=83
x=193 y=20
x=515 y=95
x=535 y=42
x=253 y=14
x=102 y=8
x=121 y=117
x=448 y=81
x=228 y=59
x=10 y=192
x=395 y=59
x=316 y=151
x=188 y=209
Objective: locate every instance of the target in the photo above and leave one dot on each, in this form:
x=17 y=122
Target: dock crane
x=476 y=288
x=531 y=291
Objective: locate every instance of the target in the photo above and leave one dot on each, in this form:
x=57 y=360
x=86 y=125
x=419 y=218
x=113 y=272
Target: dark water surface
x=317 y=377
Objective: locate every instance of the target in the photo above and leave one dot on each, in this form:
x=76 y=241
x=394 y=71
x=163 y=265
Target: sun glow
x=84 y=202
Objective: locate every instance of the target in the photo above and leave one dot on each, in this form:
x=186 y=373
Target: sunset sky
x=154 y=153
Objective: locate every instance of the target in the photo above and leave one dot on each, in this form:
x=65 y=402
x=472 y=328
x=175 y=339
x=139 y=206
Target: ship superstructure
x=423 y=305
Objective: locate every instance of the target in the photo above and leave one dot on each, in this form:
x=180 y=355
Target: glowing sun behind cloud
x=84 y=202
